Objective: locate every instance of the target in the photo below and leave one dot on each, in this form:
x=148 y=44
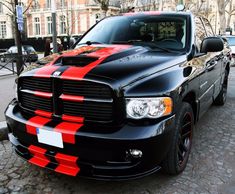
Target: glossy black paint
x=188 y=76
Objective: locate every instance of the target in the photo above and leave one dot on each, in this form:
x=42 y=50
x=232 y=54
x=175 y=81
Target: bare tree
x=230 y=12
x=221 y=10
x=10 y=5
x=104 y=5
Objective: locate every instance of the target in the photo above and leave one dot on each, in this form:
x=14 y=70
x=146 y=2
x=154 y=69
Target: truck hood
x=121 y=64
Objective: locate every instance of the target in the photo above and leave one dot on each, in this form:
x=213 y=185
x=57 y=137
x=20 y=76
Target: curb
x=3 y=131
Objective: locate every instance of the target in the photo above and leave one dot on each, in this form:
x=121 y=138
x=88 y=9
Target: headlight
x=138 y=108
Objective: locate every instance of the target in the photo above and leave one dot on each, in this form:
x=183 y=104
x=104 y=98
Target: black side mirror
x=212 y=44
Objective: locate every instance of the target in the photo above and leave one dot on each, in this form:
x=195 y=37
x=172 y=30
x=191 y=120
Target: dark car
x=123 y=103
x=29 y=54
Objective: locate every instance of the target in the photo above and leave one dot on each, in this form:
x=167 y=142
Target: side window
x=200 y=33
x=208 y=27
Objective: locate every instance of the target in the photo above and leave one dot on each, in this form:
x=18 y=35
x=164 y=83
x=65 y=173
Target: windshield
x=152 y=31
x=231 y=41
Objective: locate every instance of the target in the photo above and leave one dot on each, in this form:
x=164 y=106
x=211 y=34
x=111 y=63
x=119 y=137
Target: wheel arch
x=190 y=98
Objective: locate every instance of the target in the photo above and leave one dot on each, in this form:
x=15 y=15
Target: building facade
x=73 y=17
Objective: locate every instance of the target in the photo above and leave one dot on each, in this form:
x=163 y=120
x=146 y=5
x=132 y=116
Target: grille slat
x=97 y=107
x=32 y=102
x=87 y=89
x=36 y=84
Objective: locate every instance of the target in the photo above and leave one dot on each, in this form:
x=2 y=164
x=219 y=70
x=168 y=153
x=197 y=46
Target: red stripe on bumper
x=39 y=157
x=43 y=113
x=68 y=131
x=72 y=98
x=35 y=122
x=67 y=164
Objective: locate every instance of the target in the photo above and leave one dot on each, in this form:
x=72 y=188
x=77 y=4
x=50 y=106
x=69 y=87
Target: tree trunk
x=222 y=19
x=18 y=42
x=229 y=13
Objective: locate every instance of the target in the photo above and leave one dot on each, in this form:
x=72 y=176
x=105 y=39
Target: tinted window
x=167 y=32
x=200 y=32
x=208 y=27
x=231 y=41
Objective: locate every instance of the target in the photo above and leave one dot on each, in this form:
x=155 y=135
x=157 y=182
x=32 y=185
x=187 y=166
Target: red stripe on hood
x=47 y=70
x=39 y=157
x=78 y=73
x=35 y=122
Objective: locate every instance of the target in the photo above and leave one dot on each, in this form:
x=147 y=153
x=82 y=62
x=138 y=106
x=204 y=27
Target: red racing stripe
x=73 y=118
x=68 y=131
x=78 y=73
x=39 y=157
x=43 y=113
x=35 y=122
x=67 y=164
x=43 y=94
x=46 y=71
x=72 y=98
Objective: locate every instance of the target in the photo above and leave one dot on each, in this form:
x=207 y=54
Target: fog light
x=135 y=153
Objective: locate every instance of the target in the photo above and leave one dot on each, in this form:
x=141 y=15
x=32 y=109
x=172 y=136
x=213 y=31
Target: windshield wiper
x=126 y=42
x=89 y=43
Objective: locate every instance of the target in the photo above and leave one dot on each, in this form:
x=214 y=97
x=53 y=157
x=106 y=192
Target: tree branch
x=28 y=6
x=8 y=7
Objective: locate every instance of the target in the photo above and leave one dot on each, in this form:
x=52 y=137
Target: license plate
x=52 y=138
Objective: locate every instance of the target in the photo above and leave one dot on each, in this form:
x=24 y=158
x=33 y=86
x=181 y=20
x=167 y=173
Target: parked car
x=231 y=43
x=123 y=103
x=29 y=54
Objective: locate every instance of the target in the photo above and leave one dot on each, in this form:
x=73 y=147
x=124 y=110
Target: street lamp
x=54 y=32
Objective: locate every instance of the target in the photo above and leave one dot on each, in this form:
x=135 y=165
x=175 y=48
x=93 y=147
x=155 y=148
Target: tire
x=177 y=157
x=221 y=98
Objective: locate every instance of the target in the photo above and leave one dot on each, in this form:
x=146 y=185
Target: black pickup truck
x=123 y=102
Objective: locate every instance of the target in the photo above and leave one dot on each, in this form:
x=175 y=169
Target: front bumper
x=98 y=155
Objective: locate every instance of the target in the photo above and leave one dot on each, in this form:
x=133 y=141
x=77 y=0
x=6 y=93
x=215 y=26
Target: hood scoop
x=77 y=61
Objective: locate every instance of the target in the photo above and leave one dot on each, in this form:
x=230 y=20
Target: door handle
x=211 y=65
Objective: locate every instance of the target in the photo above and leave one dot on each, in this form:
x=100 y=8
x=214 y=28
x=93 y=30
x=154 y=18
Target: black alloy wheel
x=177 y=157
x=222 y=96
x=185 y=139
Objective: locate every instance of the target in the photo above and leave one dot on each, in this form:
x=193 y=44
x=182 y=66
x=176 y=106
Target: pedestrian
x=47 y=47
x=59 y=45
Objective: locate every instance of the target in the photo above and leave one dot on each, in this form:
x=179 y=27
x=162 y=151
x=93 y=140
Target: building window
x=37 y=26
x=48 y=4
x=62 y=25
x=49 y=25
x=3 y=29
x=62 y=3
x=1 y=8
x=36 y=6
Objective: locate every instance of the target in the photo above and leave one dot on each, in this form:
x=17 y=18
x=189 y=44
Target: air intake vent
x=78 y=61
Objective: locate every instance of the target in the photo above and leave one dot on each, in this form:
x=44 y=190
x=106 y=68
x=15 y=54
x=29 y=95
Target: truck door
x=206 y=69
x=214 y=65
